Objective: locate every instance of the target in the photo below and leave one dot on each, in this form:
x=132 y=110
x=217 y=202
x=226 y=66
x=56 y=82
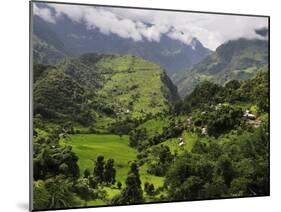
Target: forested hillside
x=96 y=88
x=110 y=127
x=235 y=60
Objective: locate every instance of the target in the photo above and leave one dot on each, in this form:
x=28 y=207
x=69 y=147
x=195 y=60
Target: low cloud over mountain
x=137 y=24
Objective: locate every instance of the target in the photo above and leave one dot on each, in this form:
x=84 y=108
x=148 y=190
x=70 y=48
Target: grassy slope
x=154 y=126
x=89 y=146
x=173 y=143
x=125 y=85
x=132 y=83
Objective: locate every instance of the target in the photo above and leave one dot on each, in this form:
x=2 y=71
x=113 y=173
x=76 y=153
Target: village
x=249 y=117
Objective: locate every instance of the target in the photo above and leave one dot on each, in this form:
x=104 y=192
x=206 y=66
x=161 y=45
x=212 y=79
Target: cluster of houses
x=247 y=114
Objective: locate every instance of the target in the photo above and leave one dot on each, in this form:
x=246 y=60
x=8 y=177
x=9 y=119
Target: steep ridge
x=100 y=86
x=239 y=59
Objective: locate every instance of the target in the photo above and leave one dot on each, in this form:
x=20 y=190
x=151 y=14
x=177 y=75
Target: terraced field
x=89 y=146
x=133 y=86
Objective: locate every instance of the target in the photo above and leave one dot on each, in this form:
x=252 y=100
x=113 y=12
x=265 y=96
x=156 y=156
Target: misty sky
x=212 y=30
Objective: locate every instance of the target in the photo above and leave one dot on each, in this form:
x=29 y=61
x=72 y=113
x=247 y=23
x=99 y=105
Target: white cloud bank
x=44 y=13
x=211 y=29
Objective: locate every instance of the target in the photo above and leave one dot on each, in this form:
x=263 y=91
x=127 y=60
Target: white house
x=218 y=106
x=249 y=115
x=204 y=131
x=181 y=144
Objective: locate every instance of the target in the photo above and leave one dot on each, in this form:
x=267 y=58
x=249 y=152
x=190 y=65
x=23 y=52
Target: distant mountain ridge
x=74 y=39
x=234 y=60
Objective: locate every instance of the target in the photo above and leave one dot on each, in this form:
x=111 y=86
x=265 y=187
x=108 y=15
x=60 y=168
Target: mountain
x=93 y=87
x=237 y=59
x=75 y=39
x=47 y=46
x=44 y=53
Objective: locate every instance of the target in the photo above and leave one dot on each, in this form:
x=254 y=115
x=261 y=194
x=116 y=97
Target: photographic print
x=136 y=105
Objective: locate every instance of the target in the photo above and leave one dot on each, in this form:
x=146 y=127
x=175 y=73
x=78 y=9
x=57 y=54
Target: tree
x=240 y=187
x=222 y=120
x=225 y=169
x=181 y=169
x=162 y=159
x=68 y=127
x=149 y=188
x=178 y=107
x=60 y=192
x=93 y=182
x=41 y=196
x=119 y=185
x=214 y=150
x=136 y=136
x=85 y=117
x=99 y=169
x=83 y=189
x=52 y=160
x=190 y=189
x=87 y=173
x=123 y=127
x=133 y=193
x=37 y=121
x=204 y=93
x=186 y=177
x=109 y=172
x=216 y=188
x=233 y=85
x=135 y=171
x=199 y=147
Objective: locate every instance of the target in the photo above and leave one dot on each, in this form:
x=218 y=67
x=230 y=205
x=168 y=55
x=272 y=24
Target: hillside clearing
x=89 y=146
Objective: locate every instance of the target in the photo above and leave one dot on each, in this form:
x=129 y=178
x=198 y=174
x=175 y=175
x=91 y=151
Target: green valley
x=111 y=127
x=106 y=126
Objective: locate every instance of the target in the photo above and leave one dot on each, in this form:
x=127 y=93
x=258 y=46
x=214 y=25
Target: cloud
x=262 y=32
x=211 y=29
x=44 y=13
